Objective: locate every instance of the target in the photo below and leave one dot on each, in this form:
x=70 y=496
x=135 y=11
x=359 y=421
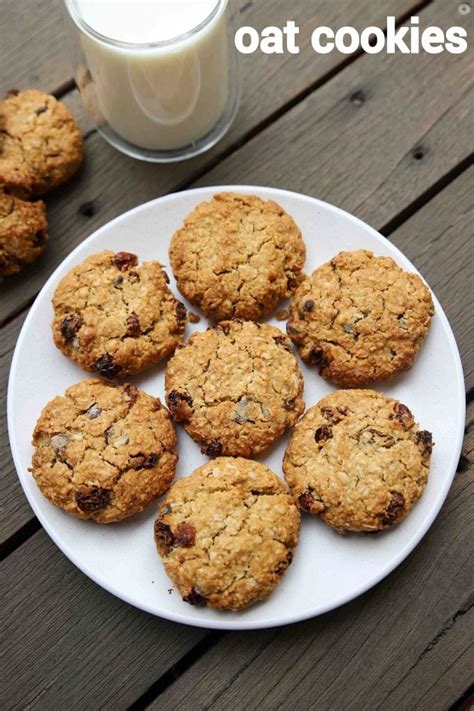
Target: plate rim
x=222 y=624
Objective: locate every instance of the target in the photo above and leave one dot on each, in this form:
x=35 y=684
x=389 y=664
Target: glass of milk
x=159 y=77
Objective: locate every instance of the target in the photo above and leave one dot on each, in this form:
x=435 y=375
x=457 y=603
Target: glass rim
x=73 y=11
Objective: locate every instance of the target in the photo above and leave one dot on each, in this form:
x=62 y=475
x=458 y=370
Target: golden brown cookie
x=40 y=143
x=23 y=233
x=227 y=533
x=235 y=388
x=104 y=452
x=359 y=460
x=114 y=317
x=360 y=318
x=237 y=256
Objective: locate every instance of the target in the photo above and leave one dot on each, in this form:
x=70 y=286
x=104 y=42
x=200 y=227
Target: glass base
x=177 y=154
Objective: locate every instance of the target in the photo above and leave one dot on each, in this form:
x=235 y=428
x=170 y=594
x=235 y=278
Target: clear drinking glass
x=163 y=100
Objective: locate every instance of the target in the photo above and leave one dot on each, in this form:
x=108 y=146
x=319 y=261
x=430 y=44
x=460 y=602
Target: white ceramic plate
x=328 y=569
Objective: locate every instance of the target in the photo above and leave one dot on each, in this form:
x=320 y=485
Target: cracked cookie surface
x=360 y=318
x=104 y=452
x=236 y=388
x=227 y=533
x=23 y=233
x=359 y=460
x=40 y=143
x=116 y=318
x=237 y=256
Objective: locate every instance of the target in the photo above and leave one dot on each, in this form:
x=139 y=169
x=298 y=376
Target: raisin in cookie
x=23 y=233
x=104 y=452
x=40 y=143
x=227 y=533
x=114 y=317
x=359 y=460
x=237 y=256
x=360 y=318
x=236 y=388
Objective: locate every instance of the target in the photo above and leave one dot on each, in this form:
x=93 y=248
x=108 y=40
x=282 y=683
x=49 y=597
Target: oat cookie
x=359 y=460
x=23 y=233
x=227 y=533
x=237 y=256
x=40 y=143
x=104 y=452
x=114 y=317
x=360 y=318
x=235 y=388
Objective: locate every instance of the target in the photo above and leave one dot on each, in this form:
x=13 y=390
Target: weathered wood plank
x=329 y=145
x=374 y=137
x=15 y=510
x=71 y=644
x=34 y=46
x=393 y=648
x=439 y=241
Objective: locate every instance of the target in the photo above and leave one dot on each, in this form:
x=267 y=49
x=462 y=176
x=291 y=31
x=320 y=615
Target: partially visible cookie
x=237 y=256
x=23 y=233
x=359 y=460
x=104 y=452
x=360 y=318
x=40 y=144
x=227 y=533
x=235 y=388
x=114 y=317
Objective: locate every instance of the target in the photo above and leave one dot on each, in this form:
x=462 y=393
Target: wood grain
x=403 y=645
x=33 y=46
x=71 y=644
x=438 y=239
x=15 y=510
x=329 y=145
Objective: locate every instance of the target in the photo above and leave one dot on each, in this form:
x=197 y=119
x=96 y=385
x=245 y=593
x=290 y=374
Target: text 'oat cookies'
x=114 y=317
x=235 y=388
x=359 y=460
x=104 y=452
x=360 y=318
x=40 y=143
x=237 y=256
x=227 y=533
x=23 y=233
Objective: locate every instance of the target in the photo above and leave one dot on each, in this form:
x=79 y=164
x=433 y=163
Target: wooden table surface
x=384 y=137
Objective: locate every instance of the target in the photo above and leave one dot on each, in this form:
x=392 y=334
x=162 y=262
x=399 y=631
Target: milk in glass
x=158 y=68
